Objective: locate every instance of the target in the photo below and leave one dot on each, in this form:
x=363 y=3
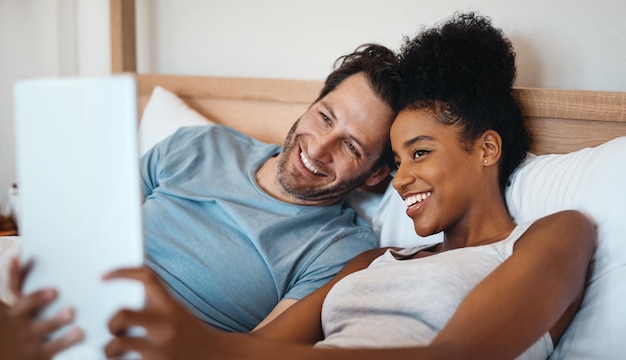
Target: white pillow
x=163 y=115
x=591 y=180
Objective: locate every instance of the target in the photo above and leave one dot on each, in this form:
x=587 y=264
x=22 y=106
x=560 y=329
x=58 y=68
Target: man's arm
x=278 y=309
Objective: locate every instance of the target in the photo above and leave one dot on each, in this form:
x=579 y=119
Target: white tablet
x=78 y=175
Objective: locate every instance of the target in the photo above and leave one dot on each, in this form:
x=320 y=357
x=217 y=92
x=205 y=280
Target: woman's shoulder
x=565 y=219
x=561 y=231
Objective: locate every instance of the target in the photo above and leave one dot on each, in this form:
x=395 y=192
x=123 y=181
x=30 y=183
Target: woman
x=491 y=289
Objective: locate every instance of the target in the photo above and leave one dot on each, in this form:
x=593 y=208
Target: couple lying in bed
x=492 y=288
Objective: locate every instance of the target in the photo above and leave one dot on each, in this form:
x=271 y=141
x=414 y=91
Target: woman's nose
x=401 y=178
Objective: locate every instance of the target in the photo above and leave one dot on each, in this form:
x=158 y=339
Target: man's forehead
x=356 y=108
x=353 y=92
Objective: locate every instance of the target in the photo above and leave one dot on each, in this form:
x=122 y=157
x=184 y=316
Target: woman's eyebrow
x=417 y=139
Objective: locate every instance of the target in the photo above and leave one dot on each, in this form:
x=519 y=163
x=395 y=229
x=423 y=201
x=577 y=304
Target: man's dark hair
x=378 y=64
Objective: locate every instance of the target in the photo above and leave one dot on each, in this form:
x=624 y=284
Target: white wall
x=574 y=44
x=43 y=38
x=29 y=47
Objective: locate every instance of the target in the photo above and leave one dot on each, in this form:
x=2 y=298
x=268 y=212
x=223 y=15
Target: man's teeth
x=307 y=164
x=414 y=199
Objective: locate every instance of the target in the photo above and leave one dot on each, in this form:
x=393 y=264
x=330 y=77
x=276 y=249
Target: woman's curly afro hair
x=463 y=71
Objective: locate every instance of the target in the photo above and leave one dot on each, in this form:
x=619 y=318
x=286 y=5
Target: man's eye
x=325 y=118
x=353 y=149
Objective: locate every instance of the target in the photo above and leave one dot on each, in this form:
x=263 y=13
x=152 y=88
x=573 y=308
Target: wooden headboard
x=561 y=120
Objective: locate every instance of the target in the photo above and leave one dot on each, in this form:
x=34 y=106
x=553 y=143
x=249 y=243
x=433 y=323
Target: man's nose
x=322 y=147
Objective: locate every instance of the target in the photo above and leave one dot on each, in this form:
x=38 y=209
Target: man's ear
x=382 y=173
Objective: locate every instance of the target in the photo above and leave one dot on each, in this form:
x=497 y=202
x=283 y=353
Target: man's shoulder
x=206 y=130
x=219 y=135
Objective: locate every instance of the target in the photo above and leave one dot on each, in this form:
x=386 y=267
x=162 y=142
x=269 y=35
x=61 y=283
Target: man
x=239 y=230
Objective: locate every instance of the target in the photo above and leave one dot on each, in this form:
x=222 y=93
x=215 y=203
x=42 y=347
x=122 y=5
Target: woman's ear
x=491 y=147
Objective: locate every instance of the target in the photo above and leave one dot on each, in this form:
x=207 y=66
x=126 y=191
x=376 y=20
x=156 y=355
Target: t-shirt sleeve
x=149 y=163
x=330 y=261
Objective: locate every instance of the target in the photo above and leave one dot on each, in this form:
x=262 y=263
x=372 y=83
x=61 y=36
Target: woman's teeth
x=414 y=199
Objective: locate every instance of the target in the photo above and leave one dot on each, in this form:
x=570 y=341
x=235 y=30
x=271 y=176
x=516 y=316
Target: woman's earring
x=485 y=161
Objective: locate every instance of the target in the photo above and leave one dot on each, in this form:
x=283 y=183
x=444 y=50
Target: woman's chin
x=425 y=231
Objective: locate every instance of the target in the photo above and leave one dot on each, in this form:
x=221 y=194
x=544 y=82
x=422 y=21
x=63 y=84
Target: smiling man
x=240 y=230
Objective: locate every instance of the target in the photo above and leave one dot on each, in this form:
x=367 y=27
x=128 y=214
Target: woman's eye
x=420 y=152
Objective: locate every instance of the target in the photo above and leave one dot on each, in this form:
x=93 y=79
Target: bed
x=578 y=162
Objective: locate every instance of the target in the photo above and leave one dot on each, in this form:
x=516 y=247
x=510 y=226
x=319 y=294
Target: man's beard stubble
x=308 y=192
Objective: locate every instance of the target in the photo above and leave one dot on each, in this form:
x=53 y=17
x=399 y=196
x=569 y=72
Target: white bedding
x=9 y=247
